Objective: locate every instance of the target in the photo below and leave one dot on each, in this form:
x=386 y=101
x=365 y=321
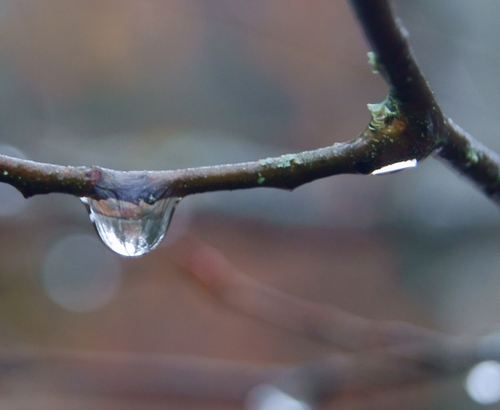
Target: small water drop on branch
x=396 y=167
x=131 y=229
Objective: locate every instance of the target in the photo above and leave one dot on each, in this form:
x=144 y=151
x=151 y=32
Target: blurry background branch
x=385 y=354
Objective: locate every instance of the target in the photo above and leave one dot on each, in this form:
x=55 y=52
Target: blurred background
x=164 y=84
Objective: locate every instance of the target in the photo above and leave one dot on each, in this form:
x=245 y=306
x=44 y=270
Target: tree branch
x=393 y=57
x=472 y=159
x=332 y=325
x=395 y=61
x=374 y=148
x=408 y=125
x=386 y=353
x=390 y=354
x=146 y=374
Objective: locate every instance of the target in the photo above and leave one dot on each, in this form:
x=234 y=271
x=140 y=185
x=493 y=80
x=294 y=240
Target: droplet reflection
x=79 y=274
x=131 y=229
x=267 y=397
x=483 y=382
x=396 y=167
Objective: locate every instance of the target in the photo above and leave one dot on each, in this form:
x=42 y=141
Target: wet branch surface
x=407 y=125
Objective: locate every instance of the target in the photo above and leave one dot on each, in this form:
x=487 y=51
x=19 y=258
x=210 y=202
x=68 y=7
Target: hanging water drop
x=396 y=167
x=131 y=229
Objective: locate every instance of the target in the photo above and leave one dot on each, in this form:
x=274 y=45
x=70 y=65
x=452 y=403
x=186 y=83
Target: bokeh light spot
x=483 y=382
x=79 y=274
x=267 y=397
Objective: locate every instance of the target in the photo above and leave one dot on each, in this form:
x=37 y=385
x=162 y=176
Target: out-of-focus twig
x=152 y=375
x=385 y=353
x=313 y=320
x=388 y=354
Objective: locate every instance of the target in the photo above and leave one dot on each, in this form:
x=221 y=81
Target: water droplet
x=131 y=229
x=396 y=167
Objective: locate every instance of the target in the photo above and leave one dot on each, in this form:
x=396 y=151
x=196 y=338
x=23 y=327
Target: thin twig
x=147 y=374
x=395 y=61
x=372 y=149
x=126 y=373
x=416 y=355
x=386 y=353
x=408 y=125
x=472 y=159
x=215 y=274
